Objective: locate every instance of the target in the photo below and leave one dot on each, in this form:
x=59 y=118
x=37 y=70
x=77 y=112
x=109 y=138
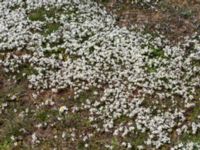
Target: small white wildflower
x=140 y=147
x=124 y=144
x=86 y=145
x=15 y=143
x=34 y=138
x=34 y=95
x=13 y=97
x=129 y=146
x=63 y=109
x=54 y=90
x=12 y=138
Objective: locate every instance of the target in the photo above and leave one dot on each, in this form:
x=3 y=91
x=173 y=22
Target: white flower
x=34 y=138
x=86 y=145
x=63 y=135
x=13 y=97
x=63 y=109
x=129 y=146
x=54 y=90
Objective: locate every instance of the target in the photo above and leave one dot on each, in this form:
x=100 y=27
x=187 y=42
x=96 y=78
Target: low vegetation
x=73 y=78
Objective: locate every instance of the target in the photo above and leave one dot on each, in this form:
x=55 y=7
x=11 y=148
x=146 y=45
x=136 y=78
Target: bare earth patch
x=173 y=18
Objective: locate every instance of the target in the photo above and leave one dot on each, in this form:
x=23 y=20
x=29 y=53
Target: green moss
x=14 y=130
x=79 y=120
x=185 y=13
x=14 y=7
x=156 y=53
x=81 y=145
x=1 y=54
x=196 y=63
x=51 y=27
x=5 y=145
x=28 y=70
x=42 y=116
x=193 y=115
x=91 y=49
x=52 y=12
x=190 y=138
x=115 y=143
x=40 y=13
x=85 y=38
x=11 y=128
x=124 y=8
x=151 y=69
x=139 y=139
x=122 y=119
x=74 y=57
x=37 y=15
x=24 y=71
x=56 y=53
x=89 y=94
x=45 y=115
x=105 y=1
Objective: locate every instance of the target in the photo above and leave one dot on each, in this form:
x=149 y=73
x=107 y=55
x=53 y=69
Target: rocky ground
x=105 y=74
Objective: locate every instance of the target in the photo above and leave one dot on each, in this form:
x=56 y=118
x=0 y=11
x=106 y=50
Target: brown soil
x=173 y=18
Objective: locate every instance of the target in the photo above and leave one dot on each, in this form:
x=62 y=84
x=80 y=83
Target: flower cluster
x=145 y=2
x=131 y=74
